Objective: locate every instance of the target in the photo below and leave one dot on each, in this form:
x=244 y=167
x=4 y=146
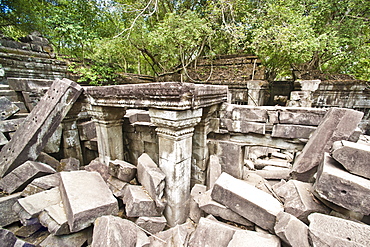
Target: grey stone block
x=353 y=156
x=139 y=203
x=117 y=186
x=10 y=125
x=291 y=230
x=96 y=166
x=55 y=219
x=7 y=108
x=302 y=116
x=338 y=124
x=340 y=187
x=8 y=216
x=212 y=233
x=49 y=160
x=150 y=176
x=40 y=124
x=41 y=184
x=253 y=204
x=255 y=239
x=20 y=177
x=175 y=236
x=87 y=130
x=122 y=170
x=231 y=157
x=214 y=170
x=7 y=238
x=195 y=213
x=77 y=239
x=86 y=197
x=272 y=172
x=328 y=230
x=299 y=200
x=292 y=131
x=152 y=225
x=53 y=144
x=69 y=164
x=117 y=232
x=27 y=231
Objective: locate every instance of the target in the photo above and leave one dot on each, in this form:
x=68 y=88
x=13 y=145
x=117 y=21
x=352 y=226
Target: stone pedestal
x=108 y=122
x=175 y=131
x=256 y=92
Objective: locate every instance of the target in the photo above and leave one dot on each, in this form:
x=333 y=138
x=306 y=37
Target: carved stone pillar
x=175 y=131
x=256 y=92
x=303 y=91
x=108 y=121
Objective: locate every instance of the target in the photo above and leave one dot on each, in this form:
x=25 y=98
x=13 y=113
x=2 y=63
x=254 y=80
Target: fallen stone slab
x=328 y=230
x=26 y=231
x=253 y=204
x=353 y=156
x=8 y=216
x=53 y=143
x=292 y=131
x=152 y=225
x=212 y=233
x=195 y=213
x=214 y=208
x=214 y=170
x=302 y=116
x=7 y=238
x=96 y=166
x=340 y=187
x=150 y=176
x=139 y=203
x=10 y=125
x=273 y=172
x=7 y=108
x=20 y=177
x=86 y=197
x=69 y=164
x=29 y=140
x=122 y=170
x=87 y=130
x=117 y=186
x=114 y=231
x=55 y=219
x=30 y=207
x=175 y=236
x=77 y=239
x=291 y=230
x=255 y=239
x=3 y=139
x=299 y=200
x=338 y=124
x=231 y=158
x=41 y=184
x=48 y=159
x=261 y=163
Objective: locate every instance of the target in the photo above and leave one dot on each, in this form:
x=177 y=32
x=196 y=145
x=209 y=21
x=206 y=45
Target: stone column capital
x=175 y=123
x=107 y=114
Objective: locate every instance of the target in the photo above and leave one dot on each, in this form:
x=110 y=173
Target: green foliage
x=94 y=74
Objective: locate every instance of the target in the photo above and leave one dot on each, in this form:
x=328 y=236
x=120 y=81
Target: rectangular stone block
x=328 y=230
x=20 y=177
x=7 y=108
x=291 y=230
x=10 y=124
x=231 y=157
x=85 y=197
x=150 y=176
x=55 y=219
x=87 y=130
x=41 y=184
x=340 y=187
x=152 y=224
x=353 y=156
x=255 y=239
x=253 y=204
x=29 y=140
x=138 y=203
x=8 y=216
x=122 y=170
x=302 y=116
x=338 y=124
x=292 y=131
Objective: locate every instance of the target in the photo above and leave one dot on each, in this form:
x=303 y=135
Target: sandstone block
x=116 y=186
x=231 y=157
x=8 y=216
x=214 y=208
x=177 y=236
x=214 y=170
x=31 y=206
x=53 y=144
x=353 y=156
x=10 y=125
x=85 y=197
x=302 y=116
x=152 y=224
x=341 y=187
x=69 y=164
x=27 y=231
x=87 y=130
x=255 y=239
x=96 y=166
x=195 y=213
x=212 y=233
x=29 y=140
x=77 y=239
x=338 y=124
x=328 y=230
x=253 y=204
x=139 y=203
x=114 y=231
x=291 y=230
x=299 y=200
x=7 y=238
x=48 y=159
x=122 y=170
x=20 y=177
x=7 y=108
x=273 y=172
x=41 y=184
x=55 y=219
x=292 y=131
x=150 y=176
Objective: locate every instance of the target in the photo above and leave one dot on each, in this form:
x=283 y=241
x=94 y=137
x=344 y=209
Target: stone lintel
x=165 y=95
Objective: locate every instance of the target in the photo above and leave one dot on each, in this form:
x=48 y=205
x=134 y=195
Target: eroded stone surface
x=7 y=214
x=255 y=239
x=7 y=108
x=152 y=224
x=85 y=197
x=253 y=204
x=353 y=156
x=55 y=219
x=122 y=170
x=336 y=185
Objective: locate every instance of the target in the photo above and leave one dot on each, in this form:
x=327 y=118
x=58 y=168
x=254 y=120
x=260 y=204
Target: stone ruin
x=175 y=164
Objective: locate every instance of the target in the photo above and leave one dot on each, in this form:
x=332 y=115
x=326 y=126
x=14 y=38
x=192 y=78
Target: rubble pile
x=253 y=196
